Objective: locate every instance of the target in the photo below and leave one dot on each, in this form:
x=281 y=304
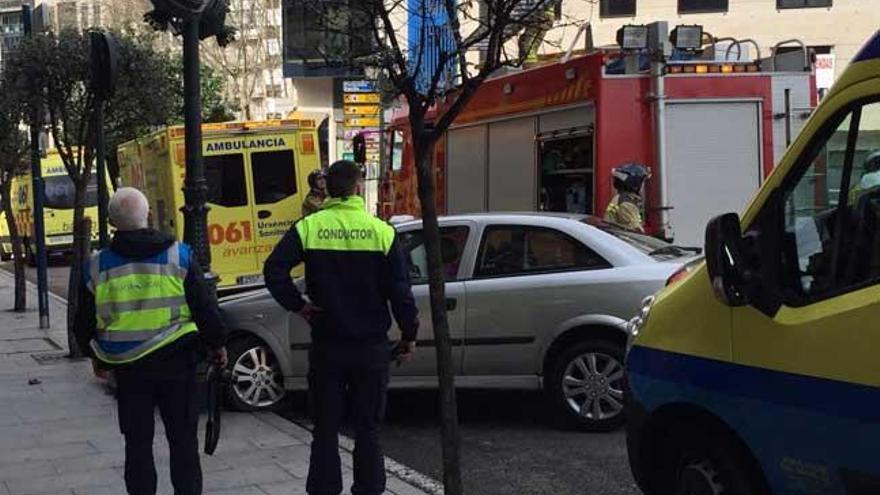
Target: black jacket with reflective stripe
x=353 y=287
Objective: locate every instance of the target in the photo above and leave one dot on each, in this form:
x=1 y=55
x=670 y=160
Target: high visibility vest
x=345 y=225
x=141 y=303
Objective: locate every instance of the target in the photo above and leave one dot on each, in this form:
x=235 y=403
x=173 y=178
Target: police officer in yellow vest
x=145 y=313
x=625 y=208
x=354 y=269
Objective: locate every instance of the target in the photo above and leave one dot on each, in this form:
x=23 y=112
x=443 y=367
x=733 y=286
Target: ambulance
x=546 y=138
x=759 y=371
x=5 y=242
x=257 y=174
x=57 y=208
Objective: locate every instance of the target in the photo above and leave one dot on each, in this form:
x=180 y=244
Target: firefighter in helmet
x=625 y=208
x=317 y=192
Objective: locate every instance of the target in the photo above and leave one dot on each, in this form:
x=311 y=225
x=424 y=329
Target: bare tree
x=458 y=45
x=254 y=54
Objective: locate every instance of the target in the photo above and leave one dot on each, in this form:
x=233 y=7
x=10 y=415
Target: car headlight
x=635 y=325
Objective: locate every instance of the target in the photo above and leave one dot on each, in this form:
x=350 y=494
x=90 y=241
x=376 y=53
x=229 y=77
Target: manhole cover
x=49 y=357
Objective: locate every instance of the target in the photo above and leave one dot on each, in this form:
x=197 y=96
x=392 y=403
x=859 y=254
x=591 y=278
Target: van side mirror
x=725 y=259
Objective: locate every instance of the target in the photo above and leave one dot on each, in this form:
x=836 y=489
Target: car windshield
x=656 y=248
x=60 y=192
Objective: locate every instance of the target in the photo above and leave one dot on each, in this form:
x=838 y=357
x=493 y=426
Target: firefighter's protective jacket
x=625 y=210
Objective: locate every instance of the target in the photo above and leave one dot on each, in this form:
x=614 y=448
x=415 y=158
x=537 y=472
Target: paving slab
x=59 y=430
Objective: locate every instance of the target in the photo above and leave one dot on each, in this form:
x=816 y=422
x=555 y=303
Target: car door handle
x=451 y=303
x=263 y=214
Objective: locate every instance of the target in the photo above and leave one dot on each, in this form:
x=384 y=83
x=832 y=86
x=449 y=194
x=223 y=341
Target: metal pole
x=39 y=191
x=39 y=224
x=195 y=190
x=103 y=236
x=659 y=40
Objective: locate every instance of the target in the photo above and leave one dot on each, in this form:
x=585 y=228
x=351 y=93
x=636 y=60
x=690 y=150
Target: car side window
x=521 y=250
x=452 y=244
x=831 y=212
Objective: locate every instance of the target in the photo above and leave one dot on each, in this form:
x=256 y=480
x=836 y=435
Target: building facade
x=835 y=29
x=11 y=27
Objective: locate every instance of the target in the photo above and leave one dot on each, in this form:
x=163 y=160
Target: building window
x=274 y=91
x=802 y=4
x=694 y=6
x=617 y=8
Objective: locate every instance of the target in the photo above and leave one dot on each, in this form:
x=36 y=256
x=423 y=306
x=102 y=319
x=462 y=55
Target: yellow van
x=257 y=174
x=759 y=372
x=57 y=207
x=5 y=242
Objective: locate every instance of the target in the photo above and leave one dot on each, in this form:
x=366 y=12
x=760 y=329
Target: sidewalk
x=59 y=432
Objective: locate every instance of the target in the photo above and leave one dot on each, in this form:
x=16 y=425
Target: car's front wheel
x=586 y=384
x=257 y=380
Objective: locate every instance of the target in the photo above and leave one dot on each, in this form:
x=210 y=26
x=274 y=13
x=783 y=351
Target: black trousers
x=357 y=375
x=169 y=385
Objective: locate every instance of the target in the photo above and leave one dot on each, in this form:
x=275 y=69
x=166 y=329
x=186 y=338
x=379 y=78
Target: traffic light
x=104 y=63
x=211 y=15
x=359 y=146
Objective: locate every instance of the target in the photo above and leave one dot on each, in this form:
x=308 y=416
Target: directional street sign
x=361 y=98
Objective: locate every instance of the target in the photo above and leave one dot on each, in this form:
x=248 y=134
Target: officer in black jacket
x=354 y=268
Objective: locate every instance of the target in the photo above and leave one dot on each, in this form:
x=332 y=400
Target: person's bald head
x=129 y=209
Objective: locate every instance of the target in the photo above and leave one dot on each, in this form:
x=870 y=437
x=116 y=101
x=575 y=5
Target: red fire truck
x=547 y=138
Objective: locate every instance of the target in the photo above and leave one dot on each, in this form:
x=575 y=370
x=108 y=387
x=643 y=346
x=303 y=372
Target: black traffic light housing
x=359 y=146
x=104 y=63
x=211 y=15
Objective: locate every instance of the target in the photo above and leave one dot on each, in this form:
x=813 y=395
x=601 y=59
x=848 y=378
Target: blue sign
x=358 y=86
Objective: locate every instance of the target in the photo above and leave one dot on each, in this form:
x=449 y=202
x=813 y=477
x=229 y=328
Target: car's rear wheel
x=257 y=380
x=586 y=384
x=708 y=461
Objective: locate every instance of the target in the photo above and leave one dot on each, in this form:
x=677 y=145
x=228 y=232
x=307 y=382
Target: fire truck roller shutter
x=466 y=170
x=512 y=171
x=713 y=162
x=797 y=87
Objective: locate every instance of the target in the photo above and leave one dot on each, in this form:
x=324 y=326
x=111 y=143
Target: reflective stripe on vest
x=140 y=303
x=344 y=225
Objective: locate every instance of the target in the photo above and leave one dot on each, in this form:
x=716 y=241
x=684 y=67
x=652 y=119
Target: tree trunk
x=451 y=439
x=20 y=296
x=82 y=241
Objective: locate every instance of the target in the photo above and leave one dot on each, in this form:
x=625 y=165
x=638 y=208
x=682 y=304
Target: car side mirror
x=726 y=260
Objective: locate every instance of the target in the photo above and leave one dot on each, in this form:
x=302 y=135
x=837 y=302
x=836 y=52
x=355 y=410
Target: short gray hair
x=129 y=209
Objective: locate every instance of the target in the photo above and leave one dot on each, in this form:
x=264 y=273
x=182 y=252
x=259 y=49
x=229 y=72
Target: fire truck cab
x=547 y=137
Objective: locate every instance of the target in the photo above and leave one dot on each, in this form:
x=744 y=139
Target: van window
x=226 y=181
x=832 y=212
x=274 y=176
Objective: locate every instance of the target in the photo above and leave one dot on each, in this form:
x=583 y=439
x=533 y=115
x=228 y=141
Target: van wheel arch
x=668 y=421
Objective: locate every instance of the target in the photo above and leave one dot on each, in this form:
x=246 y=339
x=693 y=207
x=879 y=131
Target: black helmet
x=872 y=162
x=314 y=175
x=630 y=176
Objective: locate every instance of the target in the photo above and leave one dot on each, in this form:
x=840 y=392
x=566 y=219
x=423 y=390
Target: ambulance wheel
x=585 y=384
x=710 y=461
x=257 y=380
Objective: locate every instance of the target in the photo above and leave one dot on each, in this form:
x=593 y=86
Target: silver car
x=535 y=300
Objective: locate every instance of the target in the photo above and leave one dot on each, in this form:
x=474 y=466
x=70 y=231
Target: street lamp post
x=195 y=210
x=195 y=20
